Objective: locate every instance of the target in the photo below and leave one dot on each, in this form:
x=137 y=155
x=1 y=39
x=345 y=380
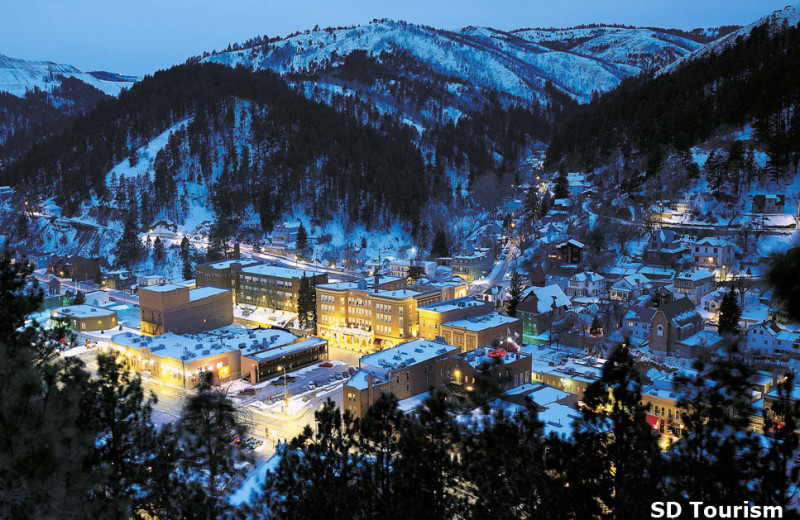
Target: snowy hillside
x=517 y=64
x=788 y=16
x=18 y=76
x=639 y=49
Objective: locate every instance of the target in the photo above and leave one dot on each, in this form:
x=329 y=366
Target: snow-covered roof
x=167 y=287
x=197 y=346
x=571 y=241
x=83 y=311
x=711 y=241
x=587 y=276
x=450 y=305
x=701 y=338
x=479 y=323
x=276 y=271
x=406 y=354
x=696 y=274
x=205 y=292
x=545 y=296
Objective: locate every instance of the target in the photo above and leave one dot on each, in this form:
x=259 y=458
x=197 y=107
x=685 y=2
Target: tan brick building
x=406 y=370
x=432 y=317
x=82 y=318
x=366 y=315
x=172 y=308
x=478 y=331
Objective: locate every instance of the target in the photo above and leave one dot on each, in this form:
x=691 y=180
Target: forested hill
x=37 y=114
x=755 y=80
x=244 y=140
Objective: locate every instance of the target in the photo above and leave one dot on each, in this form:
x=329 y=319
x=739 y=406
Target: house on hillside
x=539 y=309
x=694 y=284
x=769 y=203
x=570 y=252
x=712 y=252
x=703 y=203
x=586 y=284
x=629 y=288
x=636 y=324
x=664 y=248
x=673 y=322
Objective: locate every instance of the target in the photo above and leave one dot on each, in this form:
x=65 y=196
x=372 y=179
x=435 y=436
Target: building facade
x=477 y=331
x=471 y=267
x=366 y=315
x=177 y=309
x=539 y=309
x=432 y=317
x=81 y=318
x=672 y=323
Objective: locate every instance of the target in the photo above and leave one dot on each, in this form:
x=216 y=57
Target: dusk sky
x=141 y=36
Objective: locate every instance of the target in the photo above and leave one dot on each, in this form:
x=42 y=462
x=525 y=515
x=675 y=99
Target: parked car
x=352 y=371
x=248 y=391
x=338 y=376
x=326 y=364
x=331 y=379
x=310 y=386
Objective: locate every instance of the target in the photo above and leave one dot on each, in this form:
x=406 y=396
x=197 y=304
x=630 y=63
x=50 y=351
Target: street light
x=285 y=391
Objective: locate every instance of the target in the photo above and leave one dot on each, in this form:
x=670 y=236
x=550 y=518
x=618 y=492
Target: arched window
x=660 y=330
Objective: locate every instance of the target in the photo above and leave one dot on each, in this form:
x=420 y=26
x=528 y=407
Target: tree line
x=754 y=80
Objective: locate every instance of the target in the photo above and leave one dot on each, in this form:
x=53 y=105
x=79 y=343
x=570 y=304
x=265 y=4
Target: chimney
x=377 y=279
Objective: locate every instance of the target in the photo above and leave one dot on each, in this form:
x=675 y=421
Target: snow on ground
x=254 y=481
x=146 y=154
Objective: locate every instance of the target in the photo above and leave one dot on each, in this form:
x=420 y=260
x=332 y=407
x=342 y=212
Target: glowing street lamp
x=285 y=391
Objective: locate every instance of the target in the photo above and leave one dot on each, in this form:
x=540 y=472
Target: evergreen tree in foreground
x=514 y=293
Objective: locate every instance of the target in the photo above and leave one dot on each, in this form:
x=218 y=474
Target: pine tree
x=561 y=185
x=302 y=239
x=185 y=251
x=514 y=293
x=306 y=303
x=209 y=421
x=79 y=299
x=618 y=462
x=729 y=314
x=119 y=413
x=439 y=247
x=129 y=249
x=318 y=475
x=158 y=250
x=43 y=446
x=532 y=205
x=415 y=272
x=595 y=329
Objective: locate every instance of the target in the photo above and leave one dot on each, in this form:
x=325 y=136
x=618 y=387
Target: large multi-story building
x=177 y=309
x=228 y=353
x=368 y=314
x=407 y=370
x=432 y=317
x=223 y=274
x=478 y=331
x=509 y=369
x=254 y=283
x=273 y=286
x=471 y=267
